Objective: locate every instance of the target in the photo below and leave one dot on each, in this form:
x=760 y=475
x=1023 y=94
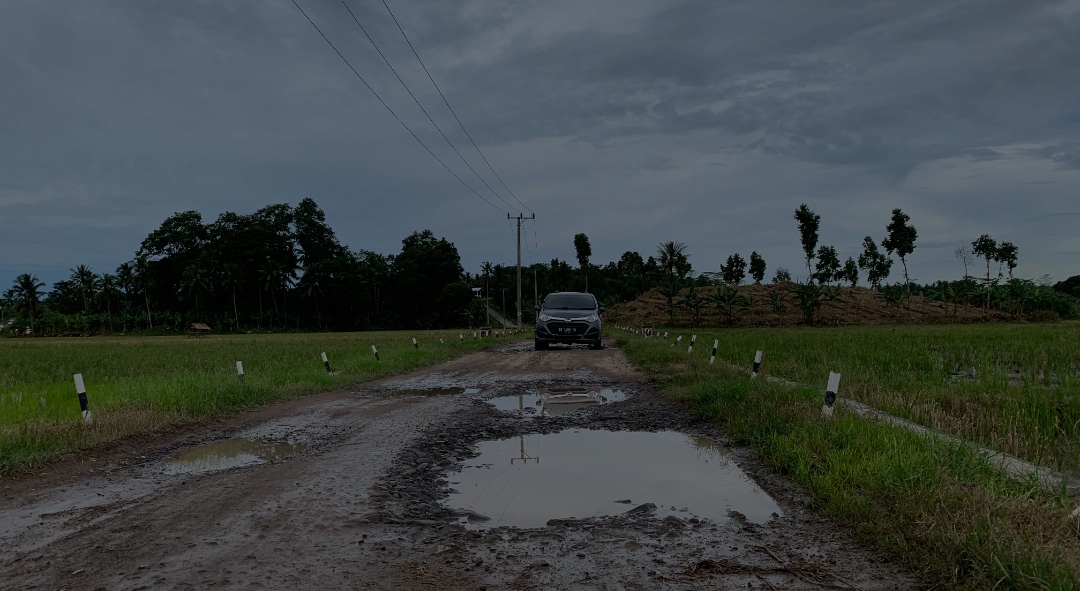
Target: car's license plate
x=567 y=330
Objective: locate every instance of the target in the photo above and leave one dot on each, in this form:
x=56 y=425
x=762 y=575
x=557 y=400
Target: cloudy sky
x=634 y=121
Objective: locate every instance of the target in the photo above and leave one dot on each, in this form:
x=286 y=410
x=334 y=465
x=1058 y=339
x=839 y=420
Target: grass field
x=1010 y=387
x=143 y=384
x=936 y=506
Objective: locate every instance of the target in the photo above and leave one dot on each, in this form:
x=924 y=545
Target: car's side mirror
x=537 y=308
x=603 y=309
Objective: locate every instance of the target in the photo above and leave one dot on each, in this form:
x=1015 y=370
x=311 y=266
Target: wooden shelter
x=198 y=329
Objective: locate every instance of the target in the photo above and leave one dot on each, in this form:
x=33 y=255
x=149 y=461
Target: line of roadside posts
x=831 y=388
x=84 y=401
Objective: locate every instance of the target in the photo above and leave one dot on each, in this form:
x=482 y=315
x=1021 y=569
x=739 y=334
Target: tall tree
x=424 y=268
x=87 y=282
x=986 y=247
x=850 y=272
x=809 y=222
x=672 y=258
x=757 y=267
x=108 y=293
x=901 y=240
x=877 y=265
x=734 y=270
x=965 y=255
x=1008 y=253
x=583 y=251
x=25 y=295
x=828 y=265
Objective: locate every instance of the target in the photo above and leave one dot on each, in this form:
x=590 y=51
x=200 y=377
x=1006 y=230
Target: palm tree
x=145 y=280
x=87 y=281
x=107 y=294
x=25 y=295
x=230 y=278
x=270 y=276
x=194 y=282
x=672 y=255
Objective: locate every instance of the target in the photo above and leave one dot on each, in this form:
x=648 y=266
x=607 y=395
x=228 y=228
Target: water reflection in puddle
x=555 y=401
x=528 y=480
x=230 y=453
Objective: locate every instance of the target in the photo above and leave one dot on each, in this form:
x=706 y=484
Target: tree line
x=283 y=268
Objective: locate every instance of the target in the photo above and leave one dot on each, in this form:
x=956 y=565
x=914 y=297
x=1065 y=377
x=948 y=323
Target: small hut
x=197 y=329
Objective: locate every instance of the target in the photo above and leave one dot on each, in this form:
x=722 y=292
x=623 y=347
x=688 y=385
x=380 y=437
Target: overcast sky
x=634 y=121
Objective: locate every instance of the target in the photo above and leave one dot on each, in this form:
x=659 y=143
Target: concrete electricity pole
x=519 y=218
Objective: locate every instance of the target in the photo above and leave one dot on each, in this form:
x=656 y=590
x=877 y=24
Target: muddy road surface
x=505 y=469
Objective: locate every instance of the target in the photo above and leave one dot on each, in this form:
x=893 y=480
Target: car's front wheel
x=596 y=345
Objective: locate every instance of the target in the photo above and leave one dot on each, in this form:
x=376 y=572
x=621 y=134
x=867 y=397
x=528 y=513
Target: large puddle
x=555 y=401
x=230 y=453
x=526 y=481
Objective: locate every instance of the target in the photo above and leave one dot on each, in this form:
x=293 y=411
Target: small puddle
x=555 y=401
x=230 y=453
x=526 y=481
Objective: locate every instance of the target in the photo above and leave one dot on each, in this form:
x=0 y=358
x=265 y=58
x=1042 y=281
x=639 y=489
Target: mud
x=365 y=497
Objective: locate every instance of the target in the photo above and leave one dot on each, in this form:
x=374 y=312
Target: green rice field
x=143 y=384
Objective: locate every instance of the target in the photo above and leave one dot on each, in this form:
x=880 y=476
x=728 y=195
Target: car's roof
x=570 y=293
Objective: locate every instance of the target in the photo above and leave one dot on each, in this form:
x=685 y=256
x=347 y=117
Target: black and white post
x=84 y=404
x=715 y=344
x=757 y=366
x=678 y=340
x=326 y=363
x=376 y=352
x=830 y=394
x=240 y=371
x=693 y=339
x=415 y=344
x=461 y=337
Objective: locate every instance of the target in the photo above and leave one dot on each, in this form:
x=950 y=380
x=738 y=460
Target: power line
x=407 y=128
x=426 y=114
x=447 y=103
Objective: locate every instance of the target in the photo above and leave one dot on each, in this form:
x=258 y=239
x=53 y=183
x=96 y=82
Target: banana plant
x=808 y=297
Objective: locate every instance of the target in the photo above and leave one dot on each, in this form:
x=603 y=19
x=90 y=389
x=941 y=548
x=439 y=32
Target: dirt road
x=418 y=482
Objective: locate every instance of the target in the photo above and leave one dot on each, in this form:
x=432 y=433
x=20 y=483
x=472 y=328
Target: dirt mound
x=853 y=305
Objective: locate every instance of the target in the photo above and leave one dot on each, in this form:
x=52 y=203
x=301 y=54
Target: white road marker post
x=693 y=339
x=376 y=352
x=326 y=363
x=715 y=344
x=677 y=341
x=84 y=404
x=757 y=366
x=240 y=370
x=441 y=342
x=830 y=394
x=415 y=344
x=665 y=335
x=461 y=337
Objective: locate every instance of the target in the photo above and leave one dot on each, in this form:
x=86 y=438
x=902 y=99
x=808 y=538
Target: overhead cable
x=447 y=103
x=426 y=114
x=403 y=124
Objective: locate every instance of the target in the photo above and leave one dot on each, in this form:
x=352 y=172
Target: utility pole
x=519 y=218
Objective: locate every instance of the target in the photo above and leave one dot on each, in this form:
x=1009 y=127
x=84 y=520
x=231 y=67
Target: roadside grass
x=143 y=384
x=935 y=505
x=1011 y=387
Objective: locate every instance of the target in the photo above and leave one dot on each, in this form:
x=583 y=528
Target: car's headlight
x=592 y=317
x=545 y=318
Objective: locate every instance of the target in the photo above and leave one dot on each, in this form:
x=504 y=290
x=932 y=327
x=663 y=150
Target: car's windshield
x=570 y=301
